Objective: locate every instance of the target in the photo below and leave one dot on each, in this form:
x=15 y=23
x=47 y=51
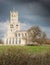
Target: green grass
x=25 y=49
x=24 y=55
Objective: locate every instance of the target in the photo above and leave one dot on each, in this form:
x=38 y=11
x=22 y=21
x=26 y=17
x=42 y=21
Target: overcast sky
x=31 y=12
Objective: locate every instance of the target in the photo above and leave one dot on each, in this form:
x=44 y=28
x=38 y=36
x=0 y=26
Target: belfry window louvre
x=11 y=26
x=13 y=15
x=16 y=25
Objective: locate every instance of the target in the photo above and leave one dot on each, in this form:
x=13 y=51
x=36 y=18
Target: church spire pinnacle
x=14 y=16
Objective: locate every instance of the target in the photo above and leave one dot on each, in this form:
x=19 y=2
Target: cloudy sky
x=31 y=12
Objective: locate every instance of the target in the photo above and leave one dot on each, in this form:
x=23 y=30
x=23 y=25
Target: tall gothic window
x=25 y=34
x=19 y=41
x=13 y=41
x=16 y=40
x=16 y=34
x=10 y=41
x=6 y=41
x=19 y=34
x=22 y=34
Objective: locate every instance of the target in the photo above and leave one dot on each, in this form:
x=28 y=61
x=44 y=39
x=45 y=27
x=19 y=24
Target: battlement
x=13 y=17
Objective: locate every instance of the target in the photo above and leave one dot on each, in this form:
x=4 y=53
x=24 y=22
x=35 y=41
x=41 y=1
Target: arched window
x=12 y=15
x=19 y=34
x=16 y=34
x=11 y=30
x=16 y=40
x=19 y=41
x=13 y=41
x=16 y=25
x=22 y=34
x=25 y=34
x=6 y=41
x=10 y=41
x=11 y=26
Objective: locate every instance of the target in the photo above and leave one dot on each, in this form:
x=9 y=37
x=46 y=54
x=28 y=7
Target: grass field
x=25 y=49
x=24 y=55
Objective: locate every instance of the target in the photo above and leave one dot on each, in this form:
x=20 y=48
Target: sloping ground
x=24 y=55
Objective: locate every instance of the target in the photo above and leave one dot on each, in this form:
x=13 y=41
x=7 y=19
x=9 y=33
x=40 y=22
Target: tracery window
x=6 y=41
x=19 y=34
x=25 y=34
x=19 y=41
x=13 y=40
x=22 y=34
x=10 y=41
x=16 y=40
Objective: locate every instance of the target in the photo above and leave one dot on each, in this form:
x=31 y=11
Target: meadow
x=24 y=55
x=25 y=49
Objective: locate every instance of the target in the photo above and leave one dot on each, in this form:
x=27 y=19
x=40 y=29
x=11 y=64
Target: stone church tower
x=14 y=20
x=14 y=35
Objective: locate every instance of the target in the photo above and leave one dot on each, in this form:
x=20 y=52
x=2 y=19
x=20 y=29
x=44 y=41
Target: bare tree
x=35 y=34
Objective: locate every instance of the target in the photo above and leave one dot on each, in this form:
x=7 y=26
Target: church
x=14 y=36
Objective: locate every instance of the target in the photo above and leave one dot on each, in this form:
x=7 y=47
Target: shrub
x=14 y=56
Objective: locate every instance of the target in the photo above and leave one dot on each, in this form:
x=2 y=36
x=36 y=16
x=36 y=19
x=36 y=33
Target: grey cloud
x=25 y=7
x=30 y=11
x=44 y=2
